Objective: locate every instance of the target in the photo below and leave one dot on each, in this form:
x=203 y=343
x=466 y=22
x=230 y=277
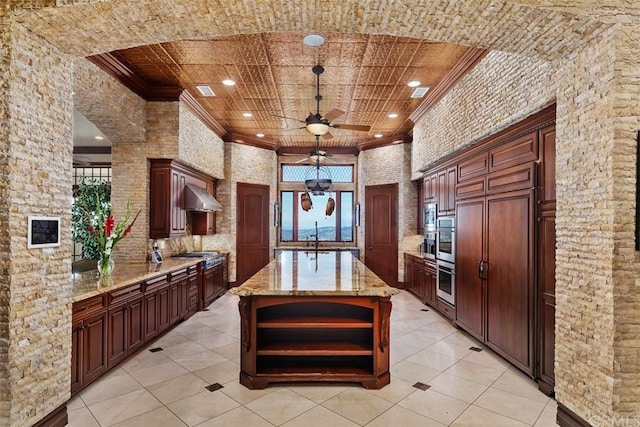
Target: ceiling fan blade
x=333 y=114
x=364 y=128
x=288 y=118
x=327 y=135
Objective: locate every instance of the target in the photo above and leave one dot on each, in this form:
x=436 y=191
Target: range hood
x=199 y=199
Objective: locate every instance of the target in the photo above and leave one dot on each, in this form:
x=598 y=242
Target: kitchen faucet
x=315 y=236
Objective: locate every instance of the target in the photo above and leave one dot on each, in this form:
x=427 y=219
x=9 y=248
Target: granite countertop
x=321 y=273
x=89 y=284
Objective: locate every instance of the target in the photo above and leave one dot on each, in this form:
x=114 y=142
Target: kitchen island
x=313 y=316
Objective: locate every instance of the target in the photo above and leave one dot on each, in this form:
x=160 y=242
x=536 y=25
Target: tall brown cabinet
x=505 y=243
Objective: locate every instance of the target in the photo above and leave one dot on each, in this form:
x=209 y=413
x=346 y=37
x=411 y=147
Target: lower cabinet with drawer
x=88 y=347
x=110 y=327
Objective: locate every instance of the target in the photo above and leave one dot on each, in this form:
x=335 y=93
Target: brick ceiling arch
x=107 y=26
x=90 y=27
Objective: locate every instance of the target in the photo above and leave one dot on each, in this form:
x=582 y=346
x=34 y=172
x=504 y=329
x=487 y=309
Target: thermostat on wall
x=43 y=232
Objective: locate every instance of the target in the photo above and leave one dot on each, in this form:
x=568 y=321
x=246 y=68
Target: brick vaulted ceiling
x=365 y=76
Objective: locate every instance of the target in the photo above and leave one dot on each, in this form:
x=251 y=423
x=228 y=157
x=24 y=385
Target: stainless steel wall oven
x=446 y=241
x=446 y=282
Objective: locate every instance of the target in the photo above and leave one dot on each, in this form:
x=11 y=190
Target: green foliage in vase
x=85 y=201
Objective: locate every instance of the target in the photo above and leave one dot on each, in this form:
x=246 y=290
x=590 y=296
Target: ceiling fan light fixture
x=317 y=128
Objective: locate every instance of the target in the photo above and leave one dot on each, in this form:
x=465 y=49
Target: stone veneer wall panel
x=199 y=145
x=119 y=113
x=500 y=90
x=37 y=337
x=626 y=261
x=390 y=165
x=585 y=238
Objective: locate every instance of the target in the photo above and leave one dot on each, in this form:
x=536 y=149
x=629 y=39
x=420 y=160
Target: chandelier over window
x=317 y=179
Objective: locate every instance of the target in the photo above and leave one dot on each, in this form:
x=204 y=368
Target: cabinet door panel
x=135 y=324
x=94 y=354
x=117 y=344
x=163 y=309
x=469 y=253
x=76 y=355
x=510 y=277
x=151 y=316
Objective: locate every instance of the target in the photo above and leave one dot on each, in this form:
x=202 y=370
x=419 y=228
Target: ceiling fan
x=318 y=125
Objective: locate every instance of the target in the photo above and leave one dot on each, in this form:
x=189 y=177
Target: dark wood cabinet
x=505 y=242
x=125 y=323
x=430 y=188
x=167 y=213
x=156 y=294
x=420 y=205
x=298 y=338
x=420 y=279
x=88 y=349
x=494 y=274
x=446 y=191
x=213 y=284
x=509 y=273
x=546 y=261
x=470 y=287
x=108 y=328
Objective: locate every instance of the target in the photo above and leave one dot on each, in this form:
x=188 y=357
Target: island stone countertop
x=88 y=284
x=321 y=273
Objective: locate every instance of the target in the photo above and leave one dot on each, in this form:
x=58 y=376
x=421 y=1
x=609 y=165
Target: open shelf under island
x=315 y=316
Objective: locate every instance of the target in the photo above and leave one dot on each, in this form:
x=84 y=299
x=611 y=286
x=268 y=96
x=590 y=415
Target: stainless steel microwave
x=430 y=216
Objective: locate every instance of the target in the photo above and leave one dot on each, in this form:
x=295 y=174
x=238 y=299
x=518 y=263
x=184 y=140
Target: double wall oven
x=445 y=258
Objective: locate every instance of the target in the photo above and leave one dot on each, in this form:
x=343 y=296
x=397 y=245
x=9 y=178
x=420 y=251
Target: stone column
x=35 y=179
x=597 y=297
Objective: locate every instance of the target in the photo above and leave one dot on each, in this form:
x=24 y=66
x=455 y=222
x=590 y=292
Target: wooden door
x=252 y=236
x=381 y=231
x=510 y=290
x=469 y=254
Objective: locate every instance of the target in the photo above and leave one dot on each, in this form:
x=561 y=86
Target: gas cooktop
x=197 y=254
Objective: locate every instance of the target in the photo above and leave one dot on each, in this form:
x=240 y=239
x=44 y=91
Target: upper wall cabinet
x=167 y=213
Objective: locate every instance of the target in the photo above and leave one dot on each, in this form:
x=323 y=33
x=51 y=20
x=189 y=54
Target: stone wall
x=502 y=89
x=119 y=113
x=600 y=391
x=199 y=146
x=584 y=282
x=35 y=326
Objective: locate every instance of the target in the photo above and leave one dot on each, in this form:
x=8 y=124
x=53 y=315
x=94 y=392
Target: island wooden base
x=314 y=339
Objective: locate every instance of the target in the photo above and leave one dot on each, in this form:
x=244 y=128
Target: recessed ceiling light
x=313 y=39
x=205 y=90
x=378 y=135
x=98 y=137
x=228 y=82
x=247 y=114
x=419 y=92
x=413 y=83
x=260 y=135
x=392 y=115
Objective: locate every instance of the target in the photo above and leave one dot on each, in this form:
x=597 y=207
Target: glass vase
x=105 y=265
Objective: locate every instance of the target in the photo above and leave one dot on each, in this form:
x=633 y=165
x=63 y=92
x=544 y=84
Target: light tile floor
x=167 y=388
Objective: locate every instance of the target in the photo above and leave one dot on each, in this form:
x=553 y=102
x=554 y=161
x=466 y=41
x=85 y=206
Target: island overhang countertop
x=320 y=273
